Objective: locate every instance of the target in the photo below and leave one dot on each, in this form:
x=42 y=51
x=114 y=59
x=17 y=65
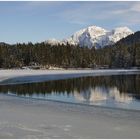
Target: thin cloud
x=81 y=13
x=85 y=12
x=133 y=7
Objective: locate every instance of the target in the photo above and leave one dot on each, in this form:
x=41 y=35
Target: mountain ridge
x=130 y=39
x=94 y=36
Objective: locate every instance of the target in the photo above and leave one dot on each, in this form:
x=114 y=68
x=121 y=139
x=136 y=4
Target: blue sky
x=39 y=21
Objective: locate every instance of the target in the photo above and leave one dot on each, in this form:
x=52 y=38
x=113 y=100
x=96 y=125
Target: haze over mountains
x=94 y=36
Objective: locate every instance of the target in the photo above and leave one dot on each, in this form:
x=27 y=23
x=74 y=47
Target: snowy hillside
x=94 y=36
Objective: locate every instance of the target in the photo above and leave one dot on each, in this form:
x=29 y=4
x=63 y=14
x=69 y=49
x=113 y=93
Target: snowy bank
x=28 y=76
x=23 y=118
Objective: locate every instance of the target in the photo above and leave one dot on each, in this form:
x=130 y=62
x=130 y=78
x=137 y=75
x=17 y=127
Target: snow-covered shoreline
x=23 y=118
x=29 y=76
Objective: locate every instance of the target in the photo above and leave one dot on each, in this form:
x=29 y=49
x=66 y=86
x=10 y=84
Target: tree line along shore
x=44 y=55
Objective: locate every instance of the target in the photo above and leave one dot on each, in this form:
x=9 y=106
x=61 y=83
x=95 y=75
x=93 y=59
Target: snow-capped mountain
x=94 y=36
x=54 y=41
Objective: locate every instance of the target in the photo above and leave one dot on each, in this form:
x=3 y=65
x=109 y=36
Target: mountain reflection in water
x=114 y=91
x=97 y=94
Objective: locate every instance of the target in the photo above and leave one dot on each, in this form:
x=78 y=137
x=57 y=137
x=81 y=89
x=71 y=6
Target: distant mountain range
x=94 y=36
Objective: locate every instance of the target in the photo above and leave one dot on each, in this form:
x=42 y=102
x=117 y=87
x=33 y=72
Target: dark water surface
x=118 y=91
